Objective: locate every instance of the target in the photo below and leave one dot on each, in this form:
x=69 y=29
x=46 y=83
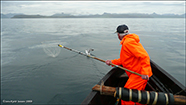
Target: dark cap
x=122 y=28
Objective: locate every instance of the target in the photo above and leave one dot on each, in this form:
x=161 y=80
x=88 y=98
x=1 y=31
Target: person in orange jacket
x=132 y=57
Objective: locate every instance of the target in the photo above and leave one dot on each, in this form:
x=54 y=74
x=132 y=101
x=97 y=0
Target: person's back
x=133 y=57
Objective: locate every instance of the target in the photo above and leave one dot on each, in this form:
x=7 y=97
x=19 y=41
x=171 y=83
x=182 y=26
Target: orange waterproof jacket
x=133 y=56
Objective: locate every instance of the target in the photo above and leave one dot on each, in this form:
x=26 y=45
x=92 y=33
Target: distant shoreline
x=104 y=15
x=99 y=16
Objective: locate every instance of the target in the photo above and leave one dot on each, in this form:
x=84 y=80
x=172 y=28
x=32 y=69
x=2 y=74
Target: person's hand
x=108 y=62
x=145 y=77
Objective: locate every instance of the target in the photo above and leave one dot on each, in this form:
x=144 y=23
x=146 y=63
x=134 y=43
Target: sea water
x=29 y=75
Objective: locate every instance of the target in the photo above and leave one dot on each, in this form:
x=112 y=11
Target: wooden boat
x=161 y=81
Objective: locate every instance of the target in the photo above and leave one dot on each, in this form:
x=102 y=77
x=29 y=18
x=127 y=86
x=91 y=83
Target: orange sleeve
x=116 y=61
x=146 y=68
x=137 y=50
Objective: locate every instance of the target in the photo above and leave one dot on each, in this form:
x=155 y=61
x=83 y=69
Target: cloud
x=92 y=7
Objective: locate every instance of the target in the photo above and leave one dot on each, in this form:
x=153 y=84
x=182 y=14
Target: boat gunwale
x=154 y=66
x=166 y=75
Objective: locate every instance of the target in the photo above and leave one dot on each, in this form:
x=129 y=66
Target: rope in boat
x=180 y=91
x=101 y=87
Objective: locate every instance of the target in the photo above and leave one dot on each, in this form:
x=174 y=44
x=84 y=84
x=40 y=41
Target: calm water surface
x=28 y=73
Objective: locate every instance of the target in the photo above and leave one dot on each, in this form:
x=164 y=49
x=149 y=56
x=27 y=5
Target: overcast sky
x=92 y=7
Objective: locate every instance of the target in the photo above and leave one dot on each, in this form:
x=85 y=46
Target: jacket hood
x=133 y=36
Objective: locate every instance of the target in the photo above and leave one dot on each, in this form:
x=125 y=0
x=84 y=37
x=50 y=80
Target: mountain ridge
x=104 y=15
